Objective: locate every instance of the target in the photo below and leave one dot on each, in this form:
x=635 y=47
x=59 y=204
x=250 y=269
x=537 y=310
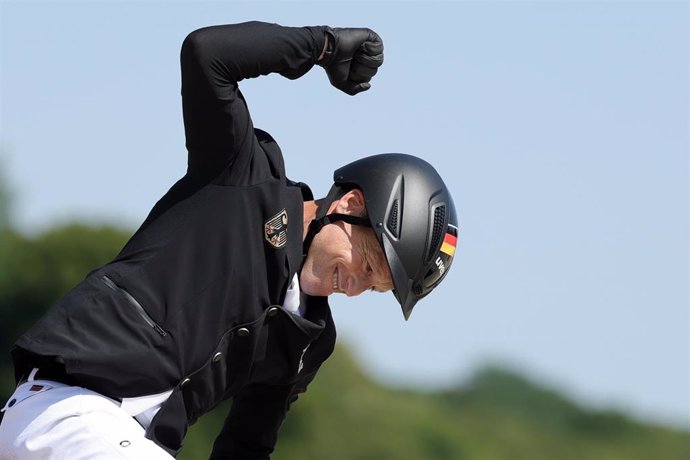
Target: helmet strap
x=322 y=220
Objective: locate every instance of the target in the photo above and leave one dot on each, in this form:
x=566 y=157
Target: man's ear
x=352 y=203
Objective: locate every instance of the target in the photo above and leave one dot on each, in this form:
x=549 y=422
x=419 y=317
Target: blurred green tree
x=4 y=214
x=498 y=414
x=39 y=270
x=36 y=271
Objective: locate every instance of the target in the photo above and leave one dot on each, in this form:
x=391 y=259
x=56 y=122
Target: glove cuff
x=331 y=47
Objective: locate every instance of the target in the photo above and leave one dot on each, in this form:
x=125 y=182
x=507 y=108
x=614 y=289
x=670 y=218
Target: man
x=222 y=292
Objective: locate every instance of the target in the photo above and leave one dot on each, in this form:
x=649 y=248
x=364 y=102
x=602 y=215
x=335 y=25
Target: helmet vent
x=393 y=226
x=437 y=230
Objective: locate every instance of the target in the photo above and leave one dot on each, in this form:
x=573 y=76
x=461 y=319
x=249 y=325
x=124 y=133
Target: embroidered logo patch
x=275 y=229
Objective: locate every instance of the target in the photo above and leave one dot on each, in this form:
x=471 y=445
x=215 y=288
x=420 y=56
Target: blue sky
x=561 y=128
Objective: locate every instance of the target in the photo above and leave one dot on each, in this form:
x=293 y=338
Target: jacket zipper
x=111 y=284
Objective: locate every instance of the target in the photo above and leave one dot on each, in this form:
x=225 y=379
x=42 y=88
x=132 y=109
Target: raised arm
x=214 y=59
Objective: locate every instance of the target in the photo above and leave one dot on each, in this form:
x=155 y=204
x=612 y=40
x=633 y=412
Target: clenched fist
x=352 y=58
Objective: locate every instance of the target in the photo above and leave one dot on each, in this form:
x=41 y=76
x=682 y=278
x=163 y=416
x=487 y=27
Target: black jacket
x=192 y=302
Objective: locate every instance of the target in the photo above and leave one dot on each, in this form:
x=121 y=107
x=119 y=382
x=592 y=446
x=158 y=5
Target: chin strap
x=317 y=224
x=322 y=220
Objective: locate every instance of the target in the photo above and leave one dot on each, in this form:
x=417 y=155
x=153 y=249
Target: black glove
x=352 y=58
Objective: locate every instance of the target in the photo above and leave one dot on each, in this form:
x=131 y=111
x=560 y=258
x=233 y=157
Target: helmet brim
x=402 y=284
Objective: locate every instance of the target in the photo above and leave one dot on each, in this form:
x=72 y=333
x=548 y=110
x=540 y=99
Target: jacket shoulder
x=273 y=153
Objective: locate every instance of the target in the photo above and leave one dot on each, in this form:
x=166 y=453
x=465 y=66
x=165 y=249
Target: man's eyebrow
x=379 y=264
x=380 y=260
x=374 y=257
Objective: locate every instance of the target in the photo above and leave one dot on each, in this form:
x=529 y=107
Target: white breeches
x=50 y=420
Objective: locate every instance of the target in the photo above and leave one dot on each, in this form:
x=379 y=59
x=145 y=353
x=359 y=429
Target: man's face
x=345 y=258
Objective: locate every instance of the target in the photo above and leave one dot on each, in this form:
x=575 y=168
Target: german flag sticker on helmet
x=450 y=241
x=444 y=257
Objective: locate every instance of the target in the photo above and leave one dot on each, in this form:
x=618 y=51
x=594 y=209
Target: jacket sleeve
x=213 y=60
x=251 y=428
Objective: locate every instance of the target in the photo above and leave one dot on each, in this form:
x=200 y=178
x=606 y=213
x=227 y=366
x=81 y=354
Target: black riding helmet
x=412 y=214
